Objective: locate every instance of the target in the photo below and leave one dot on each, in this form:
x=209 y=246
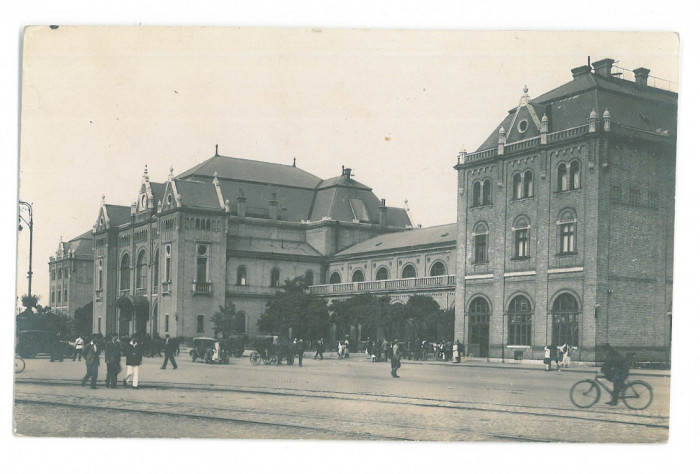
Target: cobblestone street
x=332 y=399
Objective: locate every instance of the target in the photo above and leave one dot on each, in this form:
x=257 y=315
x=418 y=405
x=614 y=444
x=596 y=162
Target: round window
x=202 y=250
x=170 y=199
x=522 y=126
x=102 y=221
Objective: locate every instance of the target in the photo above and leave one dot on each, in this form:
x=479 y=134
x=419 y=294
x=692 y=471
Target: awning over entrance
x=132 y=305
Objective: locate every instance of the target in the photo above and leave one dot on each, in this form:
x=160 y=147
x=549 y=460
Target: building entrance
x=479 y=316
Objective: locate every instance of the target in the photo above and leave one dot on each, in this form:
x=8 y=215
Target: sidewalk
x=472 y=362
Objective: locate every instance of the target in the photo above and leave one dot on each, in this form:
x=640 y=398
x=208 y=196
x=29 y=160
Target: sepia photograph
x=258 y=233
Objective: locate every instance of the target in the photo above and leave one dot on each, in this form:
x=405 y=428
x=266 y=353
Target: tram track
x=319 y=422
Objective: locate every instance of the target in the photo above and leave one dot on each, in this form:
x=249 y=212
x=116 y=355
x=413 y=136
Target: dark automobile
x=205 y=347
x=33 y=342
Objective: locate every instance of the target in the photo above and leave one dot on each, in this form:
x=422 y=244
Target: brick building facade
x=565 y=222
x=70 y=275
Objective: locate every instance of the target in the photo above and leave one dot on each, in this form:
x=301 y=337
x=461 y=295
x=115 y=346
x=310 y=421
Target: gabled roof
x=437 y=236
x=197 y=194
x=118 y=215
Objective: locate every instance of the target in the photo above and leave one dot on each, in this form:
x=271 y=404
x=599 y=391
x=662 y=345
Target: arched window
x=156 y=271
x=519 y=322
x=479 y=310
x=202 y=263
x=141 y=271
x=562 y=181
x=275 y=277
x=565 y=314
x=167 y=263
x=334 y=279
x=575 y=172
x=528 y=184
x=99 y=274
x=567 y=232
x=358 y=276
x=409 y=271
x=382 y=274
x=241 y=276
x=477 y=194
x=481 y=243
x=438 y=269
x=124 y=273
x=196 y=226
x=517 y=186
x=208 y=224
x=309 y=277
x=486 y=192
x=521 y=237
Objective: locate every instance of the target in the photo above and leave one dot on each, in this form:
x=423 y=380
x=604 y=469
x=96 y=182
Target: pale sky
x=99 y=104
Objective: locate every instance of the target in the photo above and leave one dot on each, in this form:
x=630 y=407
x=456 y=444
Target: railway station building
x=565 y=222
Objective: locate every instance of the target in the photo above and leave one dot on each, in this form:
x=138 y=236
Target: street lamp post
x=30 y=224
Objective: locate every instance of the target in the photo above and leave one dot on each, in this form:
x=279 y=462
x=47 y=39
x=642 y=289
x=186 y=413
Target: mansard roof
x=251 y=171
x=631 y=105
x=117 y=215
x=437 y=236
x=80 y=246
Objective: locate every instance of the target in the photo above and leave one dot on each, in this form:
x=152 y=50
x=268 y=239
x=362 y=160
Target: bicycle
x=636 y=395
x=19 y=364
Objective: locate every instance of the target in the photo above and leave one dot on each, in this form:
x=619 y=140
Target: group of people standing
x=559 y=355
x=116 y=349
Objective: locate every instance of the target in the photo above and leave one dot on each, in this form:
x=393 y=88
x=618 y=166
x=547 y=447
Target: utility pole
x=30 y=224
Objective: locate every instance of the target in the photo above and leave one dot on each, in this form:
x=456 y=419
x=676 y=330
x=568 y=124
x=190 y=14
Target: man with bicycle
x=614 y=369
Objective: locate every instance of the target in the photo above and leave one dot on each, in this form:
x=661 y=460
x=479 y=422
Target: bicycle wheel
x=255 y=358
x=585 y=394
x=19 y=365
x=637 y=395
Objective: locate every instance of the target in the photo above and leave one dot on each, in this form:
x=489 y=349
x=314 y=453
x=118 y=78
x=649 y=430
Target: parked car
x=204 y=348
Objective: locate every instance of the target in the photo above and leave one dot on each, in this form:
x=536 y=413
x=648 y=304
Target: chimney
x=274 y=203
x=382 y=213
x=346 y=172
x=641 y=75
x=241 y=204
x=603 y=67
x=580 y=71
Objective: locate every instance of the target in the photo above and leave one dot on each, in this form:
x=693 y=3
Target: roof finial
x=170 y=175
x=216 y=151
x=525 y=89
x=294 y=164
x=145 y=170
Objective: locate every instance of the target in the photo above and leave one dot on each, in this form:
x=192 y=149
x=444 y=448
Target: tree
x=30 y=301
x=372 y=312
x=224 y=320
x=82 y=320
x=422 y=313
x=293 y=307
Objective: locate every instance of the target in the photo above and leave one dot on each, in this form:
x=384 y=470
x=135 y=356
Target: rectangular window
x=522 y=243
x=566 y=242
x=200 y=323
x=167 y=322
x=65 y=296
x=634 y=197
x=167 y=264
x=202 y=264
x=480 y=248
x=519 y=328
x=653 y=200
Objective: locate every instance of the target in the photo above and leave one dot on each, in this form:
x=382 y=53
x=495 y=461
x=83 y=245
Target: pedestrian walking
x=395 y=359
x=565 y=357
x=134 y=357
x=170 y=349
x=57 y=349
x=300 y=349
x=460 y=347
x=91 y=353
x=386 y=349
x=554 y=356
x=319 y=349
x=78 y=348
x=455 y=353
x=113 y=358
x=547 y=358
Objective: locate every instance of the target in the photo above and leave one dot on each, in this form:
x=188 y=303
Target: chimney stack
x=382 y=213
x=641 y=76
x=241 y=204
x=273 y=207
x=580 y=71
x=346 y=172
x=603 y=67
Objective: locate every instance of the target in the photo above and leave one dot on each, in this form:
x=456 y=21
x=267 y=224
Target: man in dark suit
x=170 y=349
x=113 y=357
x=91 y=354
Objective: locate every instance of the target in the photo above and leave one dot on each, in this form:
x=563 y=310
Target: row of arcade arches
x=382 y=273
x=563 y=320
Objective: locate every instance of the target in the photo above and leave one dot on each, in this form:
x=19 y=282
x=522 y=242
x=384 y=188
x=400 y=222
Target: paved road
x=332 y=399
